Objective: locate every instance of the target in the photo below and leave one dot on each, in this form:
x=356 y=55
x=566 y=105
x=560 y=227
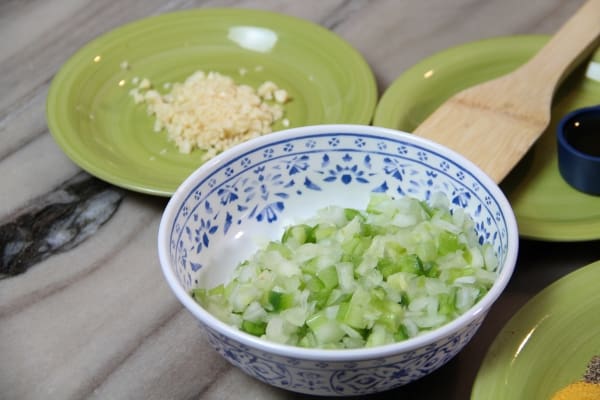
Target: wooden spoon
x=495 y=123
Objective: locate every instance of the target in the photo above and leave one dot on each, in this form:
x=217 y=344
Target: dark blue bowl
x=578 y=136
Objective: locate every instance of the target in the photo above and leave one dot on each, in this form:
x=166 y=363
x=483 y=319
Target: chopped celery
x=325 y=329
x=329 y=277
x=446 y=302
x=254 y=328
x=354 y=248
x=323 y=231
x=318 y=293
x=280 y=301
x=401 y=334
x=299 y=234
x=448 y=243
x=351 y=213
x=410 y=263
x=348 y=278
x=280 y=248
x=354 y=313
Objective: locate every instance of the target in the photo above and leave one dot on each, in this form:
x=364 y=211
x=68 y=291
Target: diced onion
x=348 y=278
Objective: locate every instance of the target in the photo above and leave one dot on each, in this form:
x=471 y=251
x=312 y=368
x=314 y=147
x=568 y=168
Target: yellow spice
x=586 y=389
x=578 y=391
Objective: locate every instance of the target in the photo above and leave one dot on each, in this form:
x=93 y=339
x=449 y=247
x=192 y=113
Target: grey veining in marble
x=92 y=317
x=56 y=222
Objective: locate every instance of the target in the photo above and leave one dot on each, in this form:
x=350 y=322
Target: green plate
x=96 y=123
x=547 y=344
x=546 y=207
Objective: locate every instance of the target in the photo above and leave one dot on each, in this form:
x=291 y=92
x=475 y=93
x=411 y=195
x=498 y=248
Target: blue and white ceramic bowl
x=218 y=215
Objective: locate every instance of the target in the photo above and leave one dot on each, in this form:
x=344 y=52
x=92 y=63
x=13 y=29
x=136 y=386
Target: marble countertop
x=84 y=309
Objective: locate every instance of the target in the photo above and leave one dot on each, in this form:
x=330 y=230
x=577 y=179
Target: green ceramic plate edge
x=546 y=207
x=96 y=124
x=547 y=344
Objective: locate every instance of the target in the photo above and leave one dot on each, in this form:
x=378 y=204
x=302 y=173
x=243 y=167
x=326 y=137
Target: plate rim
x=509 y=333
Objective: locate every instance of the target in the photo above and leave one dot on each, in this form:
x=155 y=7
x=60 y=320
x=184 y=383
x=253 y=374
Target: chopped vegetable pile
x=349 y=278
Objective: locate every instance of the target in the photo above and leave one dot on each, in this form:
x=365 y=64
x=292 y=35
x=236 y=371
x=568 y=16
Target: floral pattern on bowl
x=246 y=197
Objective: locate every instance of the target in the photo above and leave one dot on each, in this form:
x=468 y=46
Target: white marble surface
x=98 y=321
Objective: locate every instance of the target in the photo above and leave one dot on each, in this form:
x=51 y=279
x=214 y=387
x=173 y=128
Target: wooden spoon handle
x=566 y=49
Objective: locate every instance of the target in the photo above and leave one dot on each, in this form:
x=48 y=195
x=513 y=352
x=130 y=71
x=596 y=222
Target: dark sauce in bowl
x=578 y=137
x=583 y=133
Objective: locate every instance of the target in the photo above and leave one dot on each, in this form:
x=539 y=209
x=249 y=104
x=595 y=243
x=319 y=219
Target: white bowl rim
x=337 y=355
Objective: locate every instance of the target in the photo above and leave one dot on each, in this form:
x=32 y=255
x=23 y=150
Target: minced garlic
x=210 y=111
